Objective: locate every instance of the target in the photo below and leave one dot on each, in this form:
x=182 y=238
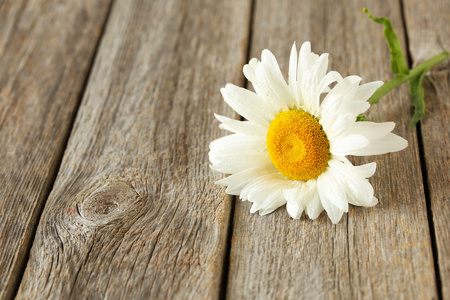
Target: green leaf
x=398 y=63
x=361 y=117
x=415 y=72
x=399 y=67
x=416 y=89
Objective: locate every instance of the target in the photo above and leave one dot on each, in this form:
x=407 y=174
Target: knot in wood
x=111 y=200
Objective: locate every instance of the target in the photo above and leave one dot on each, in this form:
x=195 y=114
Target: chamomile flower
x=292 y=149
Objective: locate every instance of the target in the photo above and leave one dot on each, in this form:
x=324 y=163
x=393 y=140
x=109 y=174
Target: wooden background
x=106 y=114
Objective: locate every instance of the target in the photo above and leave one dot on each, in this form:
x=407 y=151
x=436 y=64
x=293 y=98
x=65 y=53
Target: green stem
x=393 y=83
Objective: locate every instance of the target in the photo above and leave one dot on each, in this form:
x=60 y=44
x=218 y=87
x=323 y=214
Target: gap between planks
x=19 y=268
x=423 y=167
x=172 y=237
x=385 y=243
x=234 y=199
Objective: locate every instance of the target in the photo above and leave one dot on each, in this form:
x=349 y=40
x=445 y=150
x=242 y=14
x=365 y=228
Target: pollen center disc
x=297 y=145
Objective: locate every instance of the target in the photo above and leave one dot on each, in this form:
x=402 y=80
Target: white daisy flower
x=292 y=148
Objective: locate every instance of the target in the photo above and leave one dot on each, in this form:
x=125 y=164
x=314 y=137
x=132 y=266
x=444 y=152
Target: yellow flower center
x=297 y=145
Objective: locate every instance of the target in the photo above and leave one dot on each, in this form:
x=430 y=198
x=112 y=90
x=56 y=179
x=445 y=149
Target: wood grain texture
x=134 y=213
x=429 y=34
x=46 y=48
x=382 y=252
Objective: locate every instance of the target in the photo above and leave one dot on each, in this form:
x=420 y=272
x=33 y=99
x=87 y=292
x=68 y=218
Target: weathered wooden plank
x=429 y=34
x=134 y=212
x=382 y=252
x=46 y=48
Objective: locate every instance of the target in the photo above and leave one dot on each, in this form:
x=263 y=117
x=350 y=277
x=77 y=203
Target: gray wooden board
x=429 y=34
x=46 y=48
x=382 y=252
x=134 y=212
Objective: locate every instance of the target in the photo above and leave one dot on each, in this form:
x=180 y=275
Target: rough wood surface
x=429 y=34
x=46 y=48
x=382 y=252
x=134 y=213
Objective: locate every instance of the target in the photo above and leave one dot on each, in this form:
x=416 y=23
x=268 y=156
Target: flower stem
x=393 y=83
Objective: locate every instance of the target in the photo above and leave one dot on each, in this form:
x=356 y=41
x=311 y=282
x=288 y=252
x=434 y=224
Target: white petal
x=248 y=104
x=358 y=189
x=271 y=203
x=292 y=195
x=334 y=213
x=243 y=127
x=365 y=171
x=306 y=62
x=320 y=68
x=295 y=210
x=347 y=87
x=275 y=78
x=331 y=77
x=236 y=182
x=293 y=74
x=314 y=207
x=381 y=140
x=332 y=196
x=354 y=108
x=388 y=143
x=265 y=90
x=306 y=59
x=339 y=127
x=270 y=85
x=236 y=143
x=373 y=131
x=238 y=162
x=348 y=145
x=366 y=90
x=373 y=202
x=294 y=205
x=307 y=91
x=272 y=181
x=339 y=106
x=266 y=197
x=331 y=191
x=249 y=70
x=328 y=109
x=255 y=207
x=310 y=85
